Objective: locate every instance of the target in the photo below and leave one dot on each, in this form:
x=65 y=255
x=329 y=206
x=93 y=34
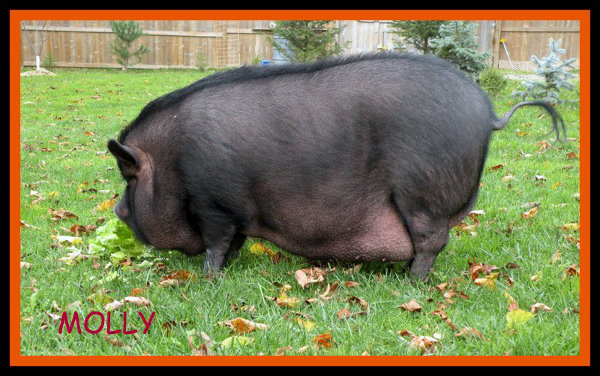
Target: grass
x=65 y=123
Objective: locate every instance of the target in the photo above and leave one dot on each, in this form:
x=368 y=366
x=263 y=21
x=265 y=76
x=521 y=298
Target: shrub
x=201 y=61
x=306 y=40
x=126 y=32
x=457 y=42
x=417 y=34
x=49 y=61
x=492 y=81
x=554 y=74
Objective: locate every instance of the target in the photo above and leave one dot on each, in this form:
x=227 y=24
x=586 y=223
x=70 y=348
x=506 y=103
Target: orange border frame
x=16 y=359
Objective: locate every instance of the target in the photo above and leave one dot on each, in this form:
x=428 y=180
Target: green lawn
x=66 y=121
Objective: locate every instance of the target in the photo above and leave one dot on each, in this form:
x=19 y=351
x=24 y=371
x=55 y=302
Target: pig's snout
x=122 y=211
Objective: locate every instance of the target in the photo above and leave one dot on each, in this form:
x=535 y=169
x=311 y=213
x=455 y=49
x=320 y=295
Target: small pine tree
x=458 y=44
x=306 y=40
x=417 y=34
x=554 y=73
x=126 y=32
x=49 y=61
x=492 y=81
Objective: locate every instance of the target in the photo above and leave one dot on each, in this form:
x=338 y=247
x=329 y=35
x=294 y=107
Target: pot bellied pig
x=369 y=157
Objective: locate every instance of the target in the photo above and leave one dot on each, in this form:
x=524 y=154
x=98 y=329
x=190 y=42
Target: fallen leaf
x=308 y=276
x=79 y=229
x=178 y=277
x=22 y=224
x=284 y=301
x=344 y=313
x=469 y=332
x=323 y=340
x=350 y=284
x=138 y=301
x=330 y=289
x=424 y=343
x=361 y=302
x=475 y=269
x=571 y=271
x=571 y=226
x=411 y=306
x=543 y=145
x=488 y=281
x=257 y=249
x=242 y=326
x=306 y=324
x=529 y=213
x=60 y=214
x=517 y=317
x=539 y=306
x=105 y=205
x=236 y=341
x=115 y=304
x=282 y=350
x=113 y=341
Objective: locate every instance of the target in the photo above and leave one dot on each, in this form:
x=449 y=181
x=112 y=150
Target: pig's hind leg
x=429 y=235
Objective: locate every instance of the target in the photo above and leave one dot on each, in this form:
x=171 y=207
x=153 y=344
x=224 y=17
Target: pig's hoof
x=211 y=272
x=421 y=274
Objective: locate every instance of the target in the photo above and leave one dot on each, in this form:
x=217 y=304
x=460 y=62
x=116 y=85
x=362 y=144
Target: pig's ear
x=124 y=154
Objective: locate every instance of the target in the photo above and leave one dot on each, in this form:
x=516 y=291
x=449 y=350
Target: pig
x=356 y=158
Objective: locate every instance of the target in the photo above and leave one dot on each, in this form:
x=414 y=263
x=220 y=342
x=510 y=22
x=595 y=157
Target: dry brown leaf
x=241 y=326
x=282 y=350
x=411 y=306
x=344 y=313
x=475 y=269
x=330 y=289
x=79 y=229
x=305 y=277
x=61 y=214
x=138 y=301
x=359 y=301
x=539 y=306
x=424 y=343
x=529 y=214
x=350 y=284
x=571 y=271
x=469 y=332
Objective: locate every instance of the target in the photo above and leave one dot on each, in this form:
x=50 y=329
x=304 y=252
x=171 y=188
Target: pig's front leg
x=217 y=237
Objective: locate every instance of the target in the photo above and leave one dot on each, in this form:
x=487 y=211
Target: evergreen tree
x=554 y=73
x=306 y=40
x=126 y=32
x=417 y=34
x=457 y=42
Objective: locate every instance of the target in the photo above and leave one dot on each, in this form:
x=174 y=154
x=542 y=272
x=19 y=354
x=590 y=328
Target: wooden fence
x=173 y=44
x=185 y=44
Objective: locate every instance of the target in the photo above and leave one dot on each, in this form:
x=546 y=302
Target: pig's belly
x=380 y=236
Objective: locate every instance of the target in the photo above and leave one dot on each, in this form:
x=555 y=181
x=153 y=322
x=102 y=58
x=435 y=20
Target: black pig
x=370 y=157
